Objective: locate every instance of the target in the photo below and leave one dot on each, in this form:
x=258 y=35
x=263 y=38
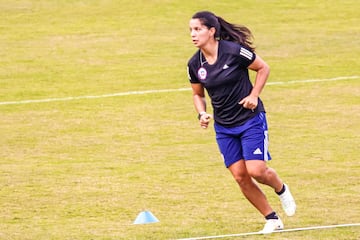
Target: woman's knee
x=257 y=170
x=257 y=173
x=240 y=173
x=243 y=179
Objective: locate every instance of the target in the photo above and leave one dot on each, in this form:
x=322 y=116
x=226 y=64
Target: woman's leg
x=258 y=170
x=249 y=188
x=256 y=197
x=263 y=174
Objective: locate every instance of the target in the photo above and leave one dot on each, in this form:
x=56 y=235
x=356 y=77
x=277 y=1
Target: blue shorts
x=245 y=142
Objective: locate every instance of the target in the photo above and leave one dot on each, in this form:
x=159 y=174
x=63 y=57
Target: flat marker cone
x=145 y=217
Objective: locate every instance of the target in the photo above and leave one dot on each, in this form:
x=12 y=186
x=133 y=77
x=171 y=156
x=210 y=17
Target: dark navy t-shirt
x=226 y=81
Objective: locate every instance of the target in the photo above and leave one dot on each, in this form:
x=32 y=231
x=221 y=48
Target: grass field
x=77 y=167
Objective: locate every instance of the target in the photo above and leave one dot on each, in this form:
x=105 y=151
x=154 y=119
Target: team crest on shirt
x=202 y=73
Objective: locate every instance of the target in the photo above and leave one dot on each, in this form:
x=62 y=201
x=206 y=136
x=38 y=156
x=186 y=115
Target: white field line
x=279 y=231
x=161 y=91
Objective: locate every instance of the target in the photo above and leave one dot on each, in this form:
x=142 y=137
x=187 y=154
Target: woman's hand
x=205 y=120
x=250 y=102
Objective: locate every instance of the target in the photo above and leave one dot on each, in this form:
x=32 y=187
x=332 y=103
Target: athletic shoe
x=288 y=202
x=272 y=225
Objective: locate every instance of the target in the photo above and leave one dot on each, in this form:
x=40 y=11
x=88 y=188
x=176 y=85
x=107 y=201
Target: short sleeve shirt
x=226 y=81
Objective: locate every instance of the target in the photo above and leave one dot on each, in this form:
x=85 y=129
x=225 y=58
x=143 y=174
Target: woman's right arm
x=199 y=97
x=200 y=104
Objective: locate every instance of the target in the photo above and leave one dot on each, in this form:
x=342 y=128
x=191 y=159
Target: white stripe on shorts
x=266 y=146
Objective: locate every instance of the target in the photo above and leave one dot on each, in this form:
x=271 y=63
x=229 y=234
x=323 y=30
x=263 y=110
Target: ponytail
x=236 y=33
x=225 y=30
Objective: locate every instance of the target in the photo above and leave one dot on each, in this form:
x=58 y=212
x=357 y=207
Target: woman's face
x=200 y=34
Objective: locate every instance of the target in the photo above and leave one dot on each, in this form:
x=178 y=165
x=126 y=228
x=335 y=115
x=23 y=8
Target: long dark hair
x=225 y=30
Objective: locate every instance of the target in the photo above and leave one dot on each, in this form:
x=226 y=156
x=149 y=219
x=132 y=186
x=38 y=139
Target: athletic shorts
x=248 y=141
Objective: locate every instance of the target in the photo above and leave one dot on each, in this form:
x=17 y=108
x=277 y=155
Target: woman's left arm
x=262 y=72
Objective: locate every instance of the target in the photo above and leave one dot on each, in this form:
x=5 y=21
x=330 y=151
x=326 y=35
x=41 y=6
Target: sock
x=282 y=190
x=272 y=216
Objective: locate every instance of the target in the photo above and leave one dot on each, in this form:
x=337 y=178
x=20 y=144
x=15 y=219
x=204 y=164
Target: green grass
x=84 y=169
